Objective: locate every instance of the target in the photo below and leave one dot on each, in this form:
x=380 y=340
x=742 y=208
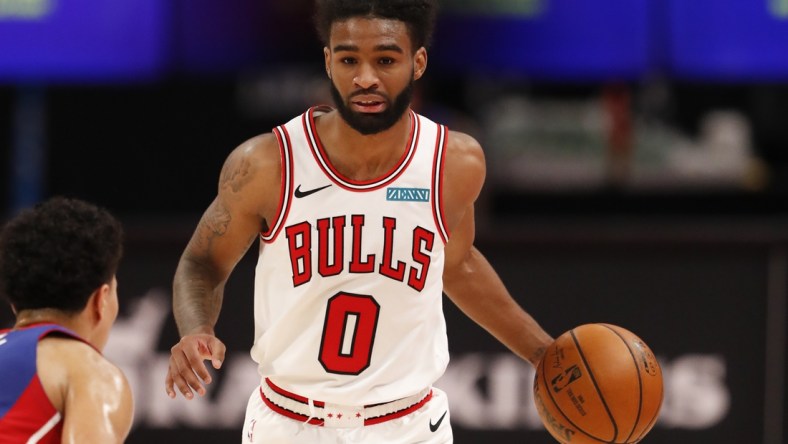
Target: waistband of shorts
x=303 y=409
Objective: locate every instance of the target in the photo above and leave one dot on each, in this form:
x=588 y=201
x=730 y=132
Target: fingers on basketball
x=598 y=383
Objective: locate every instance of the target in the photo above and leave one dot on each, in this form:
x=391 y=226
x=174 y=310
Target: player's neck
x=364 y=157
x=26 y=318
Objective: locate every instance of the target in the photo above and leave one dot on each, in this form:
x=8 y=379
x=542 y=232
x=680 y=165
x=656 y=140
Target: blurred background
x=637 y=174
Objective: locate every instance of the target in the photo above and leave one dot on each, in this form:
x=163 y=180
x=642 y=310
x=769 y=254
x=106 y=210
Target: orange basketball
x=598 y=383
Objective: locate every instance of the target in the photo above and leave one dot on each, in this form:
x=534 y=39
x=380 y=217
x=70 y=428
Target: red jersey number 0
x=349 y=333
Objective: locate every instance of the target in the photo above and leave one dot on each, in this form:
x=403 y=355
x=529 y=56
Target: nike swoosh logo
x=434 y=427
x=299 y=194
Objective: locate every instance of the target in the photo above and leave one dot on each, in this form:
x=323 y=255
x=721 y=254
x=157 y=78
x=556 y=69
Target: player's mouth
x=368 y=105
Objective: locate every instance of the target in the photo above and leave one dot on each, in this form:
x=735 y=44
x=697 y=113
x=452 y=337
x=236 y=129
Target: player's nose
x=366 y=77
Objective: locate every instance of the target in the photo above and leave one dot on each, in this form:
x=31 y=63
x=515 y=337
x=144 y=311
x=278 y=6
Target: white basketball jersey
x=348 y=285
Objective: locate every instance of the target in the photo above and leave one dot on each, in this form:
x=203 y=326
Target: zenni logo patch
x=408 y=194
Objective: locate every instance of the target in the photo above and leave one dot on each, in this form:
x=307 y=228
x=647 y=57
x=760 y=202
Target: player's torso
x=349 y=282
x=25 y=410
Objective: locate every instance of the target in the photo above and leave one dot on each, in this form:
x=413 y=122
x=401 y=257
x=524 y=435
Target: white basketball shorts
x=272 y=418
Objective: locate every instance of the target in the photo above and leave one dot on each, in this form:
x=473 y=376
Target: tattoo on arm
x=236 y=175
x=199 y=284
x=197 y=287
x=212 y=225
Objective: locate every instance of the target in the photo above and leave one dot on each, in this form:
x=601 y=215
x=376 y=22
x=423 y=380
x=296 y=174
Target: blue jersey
x=26 y=413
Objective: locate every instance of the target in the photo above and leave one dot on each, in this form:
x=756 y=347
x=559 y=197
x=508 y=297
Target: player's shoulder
x=266 y=146
x=80 y=360
x=67 y=362
x=69 y=353
x=462 y=143
x=259 y=148
x=254 y=157
x=74 y=375
x=457 y=140
x=464 y=154
x=464 y=169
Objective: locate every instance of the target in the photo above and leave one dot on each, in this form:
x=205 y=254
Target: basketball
x=598 y=383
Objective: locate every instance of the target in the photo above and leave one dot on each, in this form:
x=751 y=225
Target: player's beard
x=373 y=123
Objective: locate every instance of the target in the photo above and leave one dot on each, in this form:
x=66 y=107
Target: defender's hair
x=56 y=254
x=418 y=16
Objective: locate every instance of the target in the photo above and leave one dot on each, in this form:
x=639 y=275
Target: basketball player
x=57 y=269
x=365 y=216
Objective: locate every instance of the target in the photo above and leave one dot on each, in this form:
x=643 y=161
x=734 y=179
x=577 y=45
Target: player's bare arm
x=248 y=195
x=469 y=279
x=94 y=392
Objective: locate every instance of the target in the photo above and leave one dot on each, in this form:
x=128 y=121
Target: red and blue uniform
x=26 y=413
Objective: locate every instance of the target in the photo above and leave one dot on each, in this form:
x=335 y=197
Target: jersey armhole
x=437 y=183
x=285 y=191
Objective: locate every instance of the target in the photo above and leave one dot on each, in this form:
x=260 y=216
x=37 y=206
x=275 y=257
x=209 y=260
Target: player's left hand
x=187 y=370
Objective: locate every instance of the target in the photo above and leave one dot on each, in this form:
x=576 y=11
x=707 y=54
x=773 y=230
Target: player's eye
x=386 y=61
x=348 y=60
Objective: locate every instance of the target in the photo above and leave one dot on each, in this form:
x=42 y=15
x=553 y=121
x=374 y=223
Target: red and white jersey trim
x=321 y=157
x=46 y=428
x=286 y=187
x=437 y=183
x=308 y=121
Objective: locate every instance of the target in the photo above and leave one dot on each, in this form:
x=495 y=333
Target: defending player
x=365 y=216
x=57 y=269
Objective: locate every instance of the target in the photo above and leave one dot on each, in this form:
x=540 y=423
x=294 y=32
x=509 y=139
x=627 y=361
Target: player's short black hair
x=418 y=16
x=57 y=253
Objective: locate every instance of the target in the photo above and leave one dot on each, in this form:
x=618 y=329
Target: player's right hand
x=187 y=370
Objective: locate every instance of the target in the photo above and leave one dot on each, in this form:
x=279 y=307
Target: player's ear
x=99 y=302
x=327 y=56
x=419 y=63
